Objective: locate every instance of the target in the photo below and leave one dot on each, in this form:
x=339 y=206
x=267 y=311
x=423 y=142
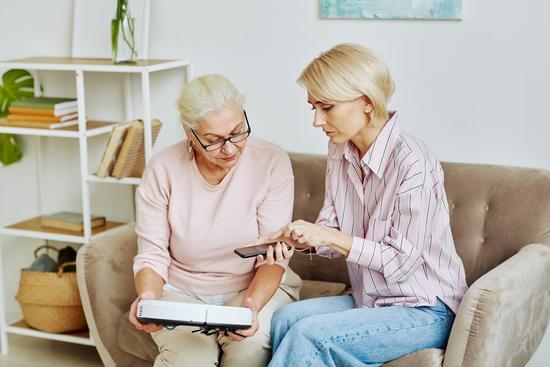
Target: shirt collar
x=378 y=154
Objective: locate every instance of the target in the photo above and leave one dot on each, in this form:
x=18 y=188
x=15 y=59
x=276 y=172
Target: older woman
x=386 y=211
x=198 y=201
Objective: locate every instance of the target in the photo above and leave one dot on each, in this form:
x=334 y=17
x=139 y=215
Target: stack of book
x=124 y=155
x=42 y=113
x=70 y=221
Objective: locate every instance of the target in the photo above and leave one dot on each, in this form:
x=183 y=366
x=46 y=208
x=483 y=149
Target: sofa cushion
x=135 y=342
x=431 y=357
x=320 y=268
x=315 y=288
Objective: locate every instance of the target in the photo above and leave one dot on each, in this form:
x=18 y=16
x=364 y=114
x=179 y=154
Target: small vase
x=123 y=40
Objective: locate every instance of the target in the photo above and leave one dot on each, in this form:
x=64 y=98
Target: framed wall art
x=391 y=9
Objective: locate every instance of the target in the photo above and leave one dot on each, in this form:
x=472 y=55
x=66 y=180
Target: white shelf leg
x=39 y=165
x=146 y=96
x=3 y=321
x=83 y=146
x=39 y=175
x=129 y=115
x=36 y=74
x=128 y=108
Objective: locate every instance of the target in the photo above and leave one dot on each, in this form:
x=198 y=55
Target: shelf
x=97 y=65
x=82 y=69
x=32 y=229
x=78 y=337
x=112 y=180
x=93 y=128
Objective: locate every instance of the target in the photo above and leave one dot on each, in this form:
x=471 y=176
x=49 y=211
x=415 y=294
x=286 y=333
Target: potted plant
x=16 y=84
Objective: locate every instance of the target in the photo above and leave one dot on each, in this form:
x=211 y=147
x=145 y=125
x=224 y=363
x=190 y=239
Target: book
x=41 y=111
x=38 y=124
x=131 y=158
x=42 y=118
x=69 y=221
x=110 y=153
x=46 y=102
x=204 y=316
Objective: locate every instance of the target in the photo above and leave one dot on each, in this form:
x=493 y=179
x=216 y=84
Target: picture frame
x=384 y=9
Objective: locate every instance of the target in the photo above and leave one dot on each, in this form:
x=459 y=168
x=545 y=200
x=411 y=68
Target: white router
x=207 y=317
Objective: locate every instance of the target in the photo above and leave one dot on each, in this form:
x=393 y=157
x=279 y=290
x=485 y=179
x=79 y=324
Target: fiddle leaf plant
x=16 y=84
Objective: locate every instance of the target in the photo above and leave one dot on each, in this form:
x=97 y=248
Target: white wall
x=475 y=90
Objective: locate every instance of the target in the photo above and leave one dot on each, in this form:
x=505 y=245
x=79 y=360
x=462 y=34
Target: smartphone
x=253 y=251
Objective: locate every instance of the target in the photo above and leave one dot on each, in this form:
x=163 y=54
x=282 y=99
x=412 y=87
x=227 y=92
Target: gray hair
x=206 y=94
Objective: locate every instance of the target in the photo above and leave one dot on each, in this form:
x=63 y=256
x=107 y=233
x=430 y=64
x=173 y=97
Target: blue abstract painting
x=391 y=9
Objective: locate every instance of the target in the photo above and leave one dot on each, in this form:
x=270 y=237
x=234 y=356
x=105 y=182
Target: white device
x=172 y=313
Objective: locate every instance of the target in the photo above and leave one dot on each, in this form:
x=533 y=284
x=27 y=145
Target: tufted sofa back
x=495 y=211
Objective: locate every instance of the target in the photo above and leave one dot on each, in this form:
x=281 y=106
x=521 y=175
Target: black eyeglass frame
x=228 y=139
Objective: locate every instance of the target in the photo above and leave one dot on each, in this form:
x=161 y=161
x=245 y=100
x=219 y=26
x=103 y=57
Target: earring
x=190 y=150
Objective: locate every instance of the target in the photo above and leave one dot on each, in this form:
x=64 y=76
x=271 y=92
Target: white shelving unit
x=31 y=228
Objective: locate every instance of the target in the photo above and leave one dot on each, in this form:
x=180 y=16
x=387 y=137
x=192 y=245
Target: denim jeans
x=330 y=331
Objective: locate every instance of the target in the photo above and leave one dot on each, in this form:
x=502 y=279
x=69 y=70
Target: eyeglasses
x=233 y=138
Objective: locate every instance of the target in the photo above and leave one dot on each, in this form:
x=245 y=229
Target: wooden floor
x=25 y=351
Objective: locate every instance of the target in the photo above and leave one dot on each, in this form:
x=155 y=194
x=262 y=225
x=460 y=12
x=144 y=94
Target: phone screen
x=253 y=251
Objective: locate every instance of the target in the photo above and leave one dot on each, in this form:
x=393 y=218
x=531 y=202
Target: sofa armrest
x=106 y=284
x=504 y=314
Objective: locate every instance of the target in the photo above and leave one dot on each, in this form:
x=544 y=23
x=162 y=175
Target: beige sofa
x=501 y=224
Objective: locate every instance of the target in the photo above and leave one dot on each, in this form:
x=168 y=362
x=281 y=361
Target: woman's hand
x=150 y=328
x=278 y=255
x=239 y=335
x=303 y=234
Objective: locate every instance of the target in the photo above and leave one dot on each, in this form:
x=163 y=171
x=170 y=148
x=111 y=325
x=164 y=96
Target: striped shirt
x=393 y=203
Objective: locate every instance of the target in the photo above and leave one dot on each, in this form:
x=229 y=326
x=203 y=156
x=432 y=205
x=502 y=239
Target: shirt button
x=486 y=208
x=482 y=241
x=453 y=206
x=308 y=194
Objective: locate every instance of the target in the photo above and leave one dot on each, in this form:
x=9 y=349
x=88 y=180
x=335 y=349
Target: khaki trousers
x=180 y=347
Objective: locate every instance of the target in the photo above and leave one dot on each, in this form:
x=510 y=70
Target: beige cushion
x=425 y=358
x=504 y=315
x=135 y=342
x=315 y=288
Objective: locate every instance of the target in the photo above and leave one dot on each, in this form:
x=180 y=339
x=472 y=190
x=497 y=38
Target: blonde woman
x=198 y=201
x=386 y=212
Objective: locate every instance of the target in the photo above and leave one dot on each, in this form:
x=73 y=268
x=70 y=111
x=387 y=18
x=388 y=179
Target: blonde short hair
x=349 y=71
x=206 y=94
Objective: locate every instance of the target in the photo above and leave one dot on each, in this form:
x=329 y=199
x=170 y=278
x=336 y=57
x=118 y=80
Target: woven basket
x=50 y=301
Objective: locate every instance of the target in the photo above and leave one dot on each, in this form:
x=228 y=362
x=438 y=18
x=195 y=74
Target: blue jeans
x=330 y=331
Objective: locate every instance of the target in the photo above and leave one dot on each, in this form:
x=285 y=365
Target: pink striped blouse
x=392 y=201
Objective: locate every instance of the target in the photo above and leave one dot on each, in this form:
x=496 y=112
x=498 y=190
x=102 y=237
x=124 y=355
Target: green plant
x=16 y=84
x=122 y=35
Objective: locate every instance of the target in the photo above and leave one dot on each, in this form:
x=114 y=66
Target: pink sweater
x=187 y=229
